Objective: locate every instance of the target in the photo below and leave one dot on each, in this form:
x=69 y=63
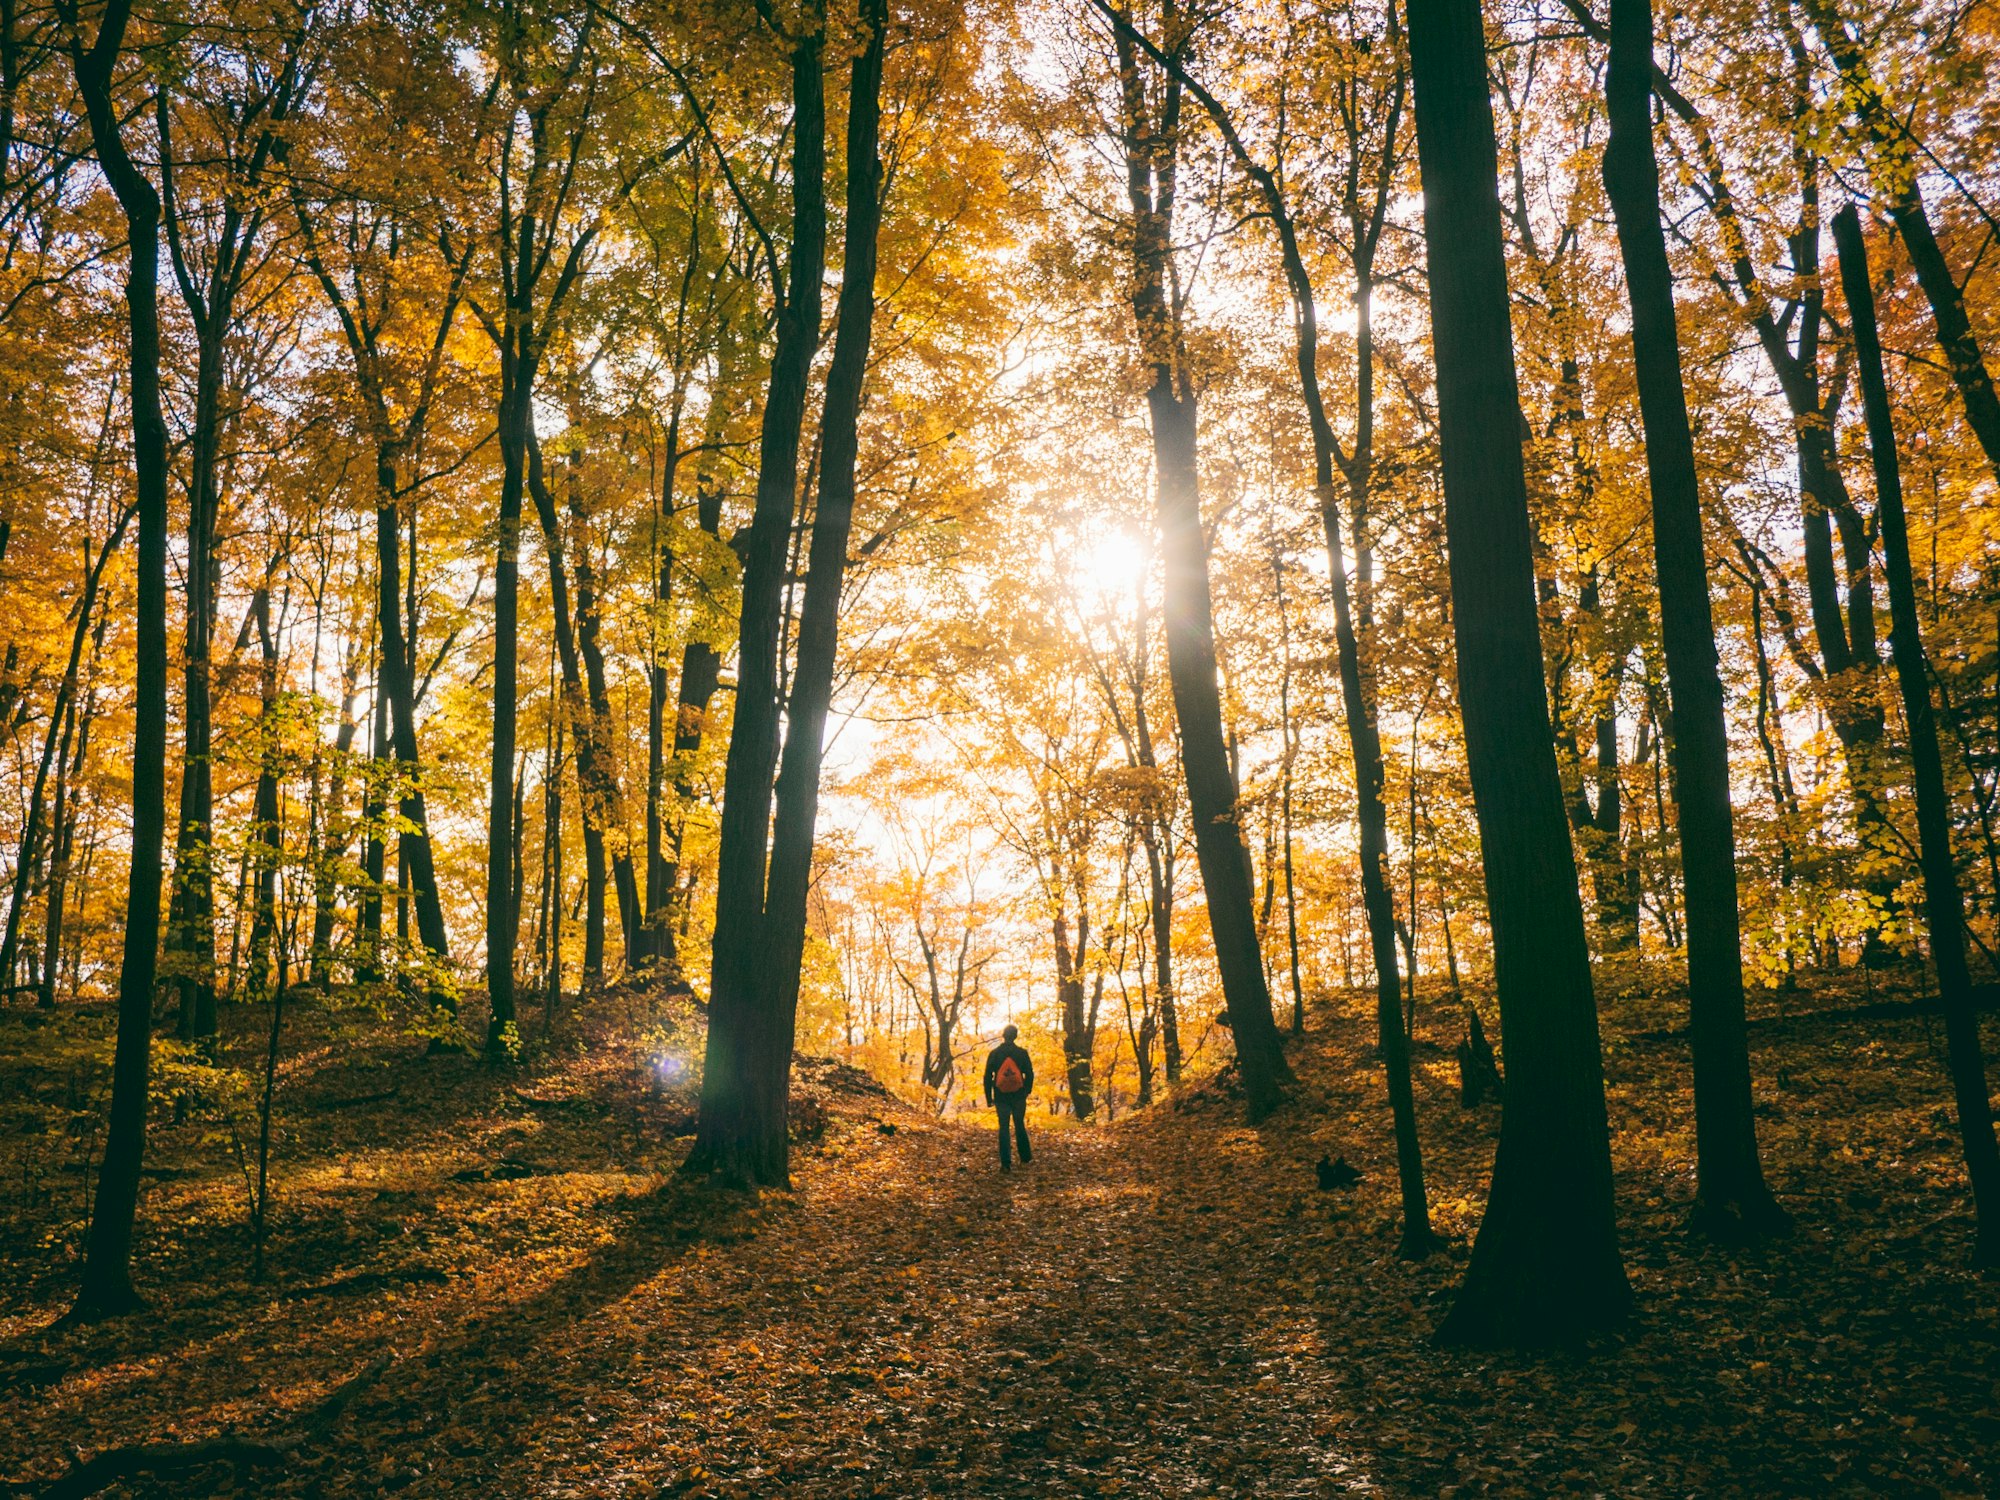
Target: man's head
x=1009 y=1033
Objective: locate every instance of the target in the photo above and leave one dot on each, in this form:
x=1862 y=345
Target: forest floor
x=1164 y=1307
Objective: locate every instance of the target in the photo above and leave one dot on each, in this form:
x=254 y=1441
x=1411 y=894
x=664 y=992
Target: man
x=1010 y=1078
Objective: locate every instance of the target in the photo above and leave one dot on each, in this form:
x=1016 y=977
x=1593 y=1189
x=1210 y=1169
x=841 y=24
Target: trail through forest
x=923 y=1325
x=1167 y=1306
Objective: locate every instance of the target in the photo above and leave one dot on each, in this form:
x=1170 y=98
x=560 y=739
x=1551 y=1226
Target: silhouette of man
x=1010 y=1078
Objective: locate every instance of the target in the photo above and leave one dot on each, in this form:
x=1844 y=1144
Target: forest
x=595 y=594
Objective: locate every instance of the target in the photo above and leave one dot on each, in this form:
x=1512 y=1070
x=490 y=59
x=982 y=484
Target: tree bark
x=106 y=1285
x=1943 y=902
x=811 y=695
x=1213 y=798
x=1363 y=736
x=516 y=433
x=741 y=1135
x=397 y=688
x=586 y=704
x=1731 y=1198
x=1545 y=1267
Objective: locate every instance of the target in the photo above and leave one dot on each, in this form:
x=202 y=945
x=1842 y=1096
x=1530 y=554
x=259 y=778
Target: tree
x=1545 y=1267
x=935 y=889
x=1363 y=736
x=214 y=234
x=760 y=927
x=552 y=196
x=1942 y=901
x=706 y=325
x=395 y=307
x=106 y=1287
x=1730 y=1195
x=1793 y=342
x=1150 y=140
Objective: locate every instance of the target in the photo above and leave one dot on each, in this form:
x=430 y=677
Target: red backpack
x=1009 y=1079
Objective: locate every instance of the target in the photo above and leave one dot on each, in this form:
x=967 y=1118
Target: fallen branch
x=87 y=1476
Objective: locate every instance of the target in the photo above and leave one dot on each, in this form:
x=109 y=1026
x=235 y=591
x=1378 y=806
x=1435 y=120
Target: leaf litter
x=1163 y=1307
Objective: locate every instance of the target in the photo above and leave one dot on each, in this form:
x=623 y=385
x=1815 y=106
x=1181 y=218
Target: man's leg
x=1021 y=1129
x=1006 y=1160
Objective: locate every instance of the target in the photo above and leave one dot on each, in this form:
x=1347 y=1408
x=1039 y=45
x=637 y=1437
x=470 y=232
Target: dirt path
x=912 y=1323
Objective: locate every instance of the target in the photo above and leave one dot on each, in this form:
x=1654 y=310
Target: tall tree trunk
x=1213 y=798
x=1846 y=645
x=1545 y=1267
x=67 y=815
x=191 y=941
x=596 y=791
x=552 y=864
x=612 y=826
x=1158 y=839
x=1291 y=743
x=1943 y=903
x=1212 y=793
x=106 y=1285
x=1601 y=828
x=656 y=941
x=1731 y=1198
x=741 y=1134
x=338 y=832
x=65 y=721
x=1156 y=833
x=1771 y=737
x=394 y=731
x=1077 y=1042
x=520 y=840
x=1357 y=697
x=210 y=283
x=811 y=695
x=374 y=850
x=396 y=689
x=516 y=431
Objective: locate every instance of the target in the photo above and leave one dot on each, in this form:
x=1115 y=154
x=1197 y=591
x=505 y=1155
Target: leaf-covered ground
x=1164 y=1307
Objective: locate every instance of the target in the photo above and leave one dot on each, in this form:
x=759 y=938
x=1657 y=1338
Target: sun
x=1110 y=566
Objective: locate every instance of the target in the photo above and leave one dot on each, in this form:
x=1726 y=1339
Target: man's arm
x=1028 y=1073
x=992 y=1067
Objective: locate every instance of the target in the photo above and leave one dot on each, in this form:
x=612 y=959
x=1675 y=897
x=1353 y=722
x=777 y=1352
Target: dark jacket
x=1021 y=1060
